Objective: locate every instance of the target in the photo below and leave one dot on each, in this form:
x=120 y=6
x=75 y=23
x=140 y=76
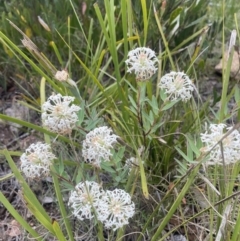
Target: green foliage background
x=179 y=20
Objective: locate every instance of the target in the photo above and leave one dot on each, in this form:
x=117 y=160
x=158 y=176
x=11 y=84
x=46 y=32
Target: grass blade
x=19 y=218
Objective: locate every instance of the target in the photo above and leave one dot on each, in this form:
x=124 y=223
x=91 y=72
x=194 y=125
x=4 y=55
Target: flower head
x=177 y=85
x=142 y=62
x=36 y=160
x=230 y=144
x=98 y=144
x=62 y=76
x=118 y=210
x=86 y=199
x=59 y=115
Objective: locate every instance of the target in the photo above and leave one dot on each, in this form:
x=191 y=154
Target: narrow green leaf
x=79 y=23
x=225 y=76
x=54 y=46
x=174 y=14
x=163 y=95
x=132 y=109
x=155 y=127
x=237 y=94
x=58 y=231
x=176 y=203
x=169 y=105
x=145 y=20
x=154 y=105
x=30 y=197
x=184 y=155
x=147 y=120
x=189 y=39
x=106 y=167
x=38 y=70
x=151 y=117
x=143 y=179
x=19 y=218
x=193 y=146
x=37 y=128
x=132 y=102
x=160 y=27
x=41 y=217
x=236 y=229
x=124 y=26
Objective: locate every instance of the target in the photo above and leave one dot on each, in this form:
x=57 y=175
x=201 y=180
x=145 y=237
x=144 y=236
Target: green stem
x=176 y=203
x=61 y=205
x=164 y=40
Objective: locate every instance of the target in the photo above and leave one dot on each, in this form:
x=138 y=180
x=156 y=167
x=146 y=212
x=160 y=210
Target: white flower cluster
x=98 y=144
x=59 y=115
x=177 y=85
x=85 y=199
x=142 y=62
x=230 y=144
x=119 y=209
x=112 y=208
x=36 y=160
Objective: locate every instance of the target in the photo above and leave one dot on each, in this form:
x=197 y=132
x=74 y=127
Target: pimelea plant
x=122 y=142
x=98 y=144
x=222 y=143
x=59 y=115
x=37 y=160
x=86 y=200
x=142 y=62
x=177 y=85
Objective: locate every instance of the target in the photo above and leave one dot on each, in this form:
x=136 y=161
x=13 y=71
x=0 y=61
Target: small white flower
x=59 y=115
x=62 y=76
x=118 y=210
x=36 y=161
x=98 y=144
x=142 y=62
x=230 y=144
x=177 y=85
x=86 y=199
